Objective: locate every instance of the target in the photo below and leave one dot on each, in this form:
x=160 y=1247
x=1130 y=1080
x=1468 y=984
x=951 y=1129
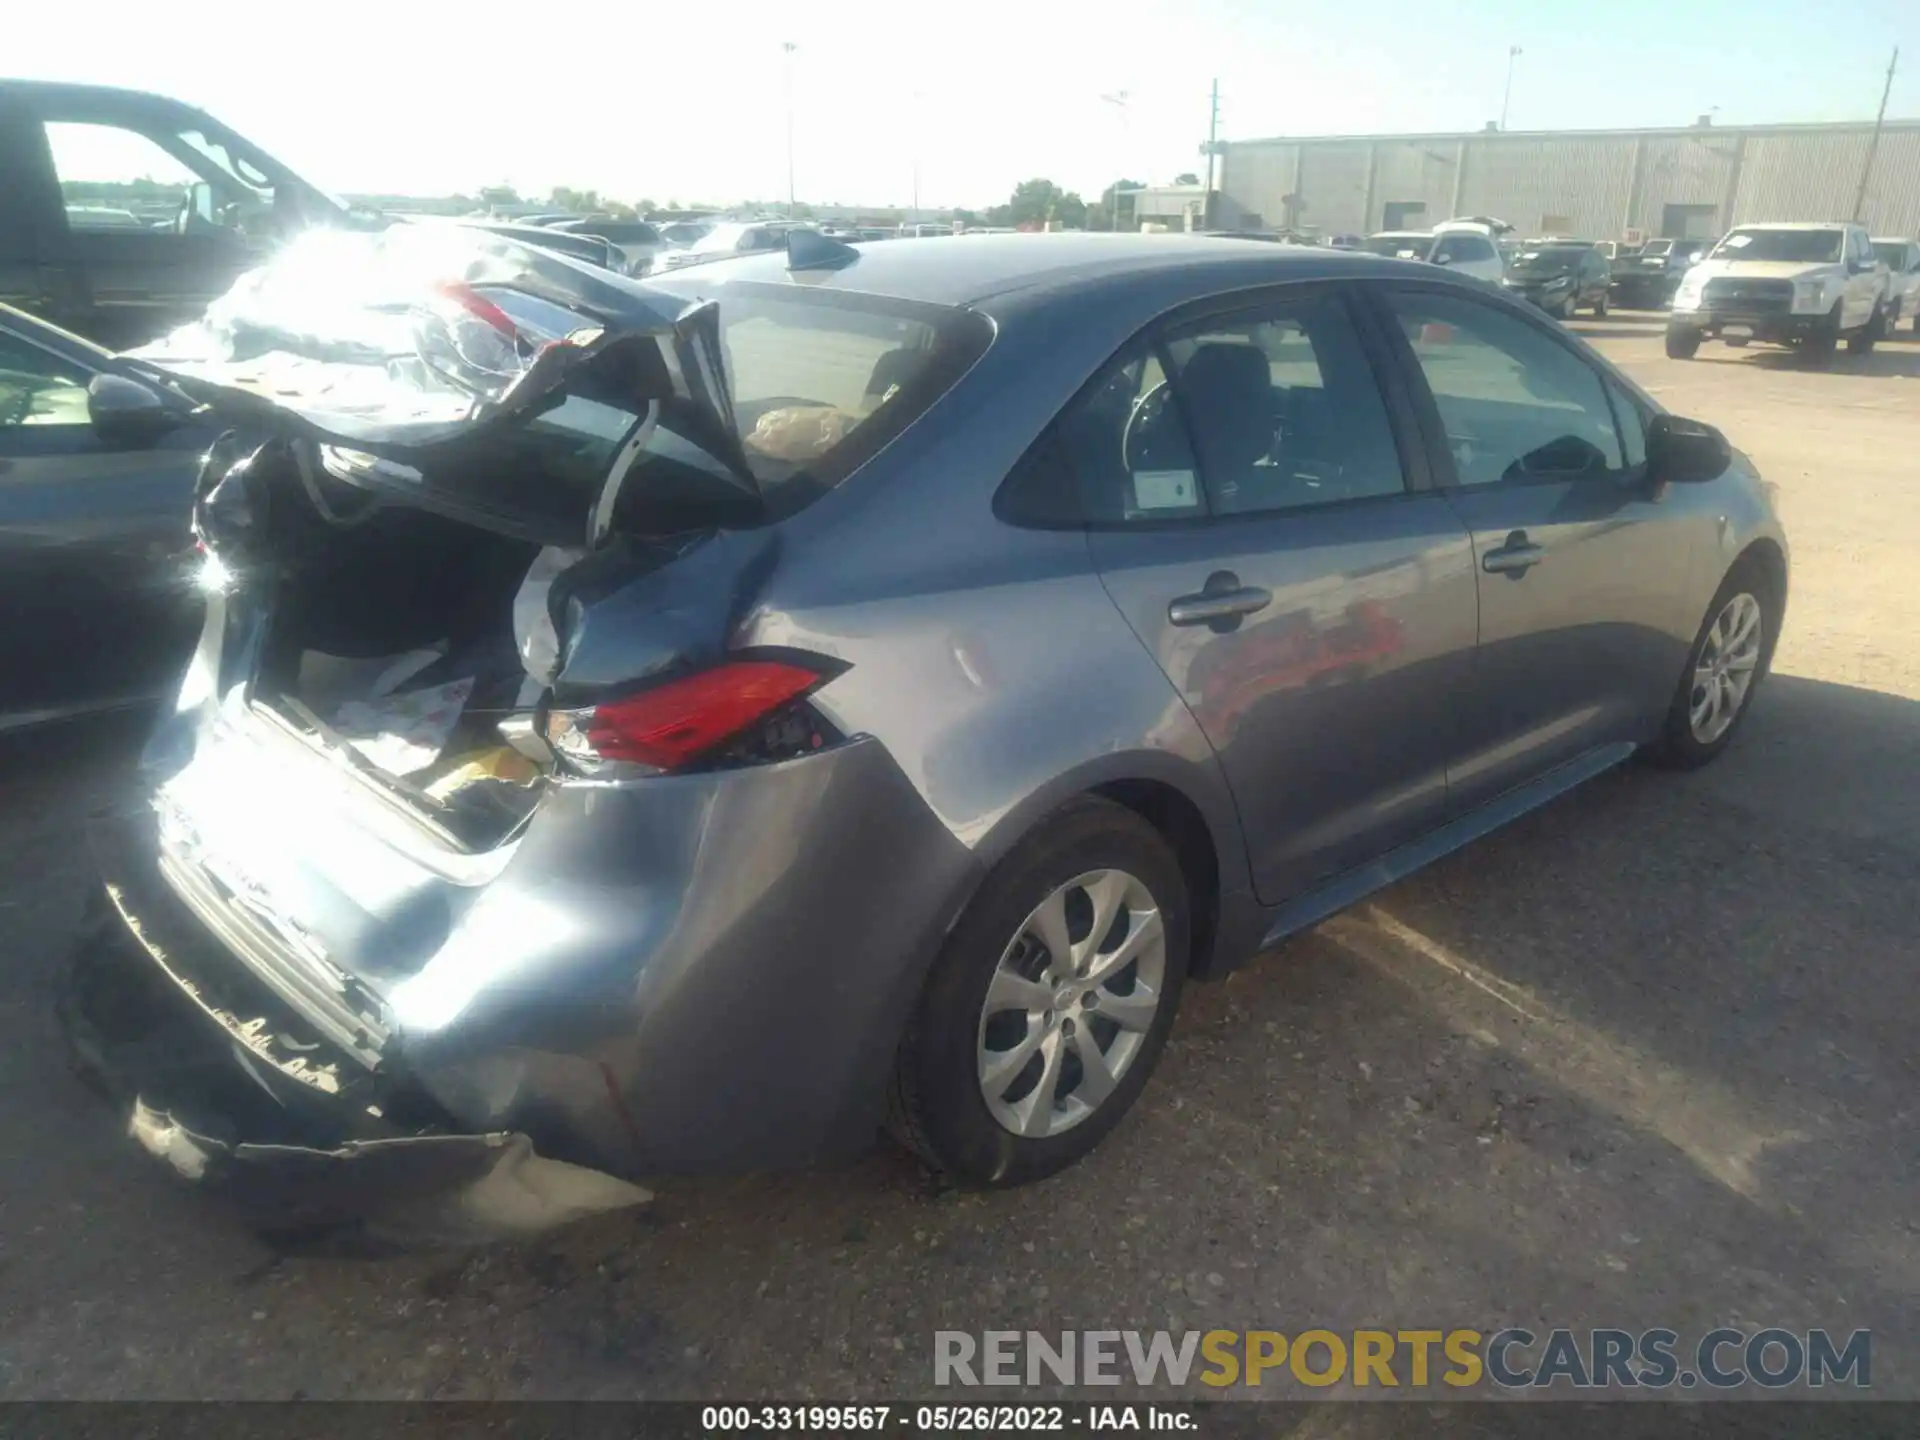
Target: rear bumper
x=235 y=1092
x=686 y=975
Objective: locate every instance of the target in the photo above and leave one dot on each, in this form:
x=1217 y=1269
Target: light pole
x=1506 y=100
x=1119 y=99
x=919 y=96
x=793 y=209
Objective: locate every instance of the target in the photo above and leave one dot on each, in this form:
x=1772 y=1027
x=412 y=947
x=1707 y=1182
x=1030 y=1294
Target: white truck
x=1808 y=286
x=1902 y=259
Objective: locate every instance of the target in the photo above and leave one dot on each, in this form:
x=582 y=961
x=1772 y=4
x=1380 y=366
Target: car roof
x=65 y=95
x=970 y=269
x=1798 y=225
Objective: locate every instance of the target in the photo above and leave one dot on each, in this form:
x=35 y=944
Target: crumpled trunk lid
x=480 y=378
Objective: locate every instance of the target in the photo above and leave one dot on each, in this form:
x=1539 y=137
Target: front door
x=1581 y=564
x=93 y=540
x=1313 y=608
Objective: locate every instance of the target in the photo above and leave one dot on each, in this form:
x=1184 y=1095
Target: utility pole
x=1120 y=99
x=1506 y=100
x=793 y=209
x=1873 y=145
x=919 y=97
x=1213 y=145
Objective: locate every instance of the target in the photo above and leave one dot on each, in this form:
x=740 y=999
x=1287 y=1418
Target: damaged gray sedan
x=645 y=728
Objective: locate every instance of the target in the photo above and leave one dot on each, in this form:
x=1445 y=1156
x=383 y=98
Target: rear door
x=93 y=541
x=1581 y=565
x=1257 y=516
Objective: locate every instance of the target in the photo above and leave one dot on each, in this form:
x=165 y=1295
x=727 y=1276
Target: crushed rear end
x=449 y=898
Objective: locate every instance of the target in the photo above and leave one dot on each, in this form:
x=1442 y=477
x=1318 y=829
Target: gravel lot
x=1647 y=1058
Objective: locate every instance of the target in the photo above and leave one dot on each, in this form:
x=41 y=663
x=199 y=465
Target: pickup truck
x=1804 y=286
x=121 y=262
x=1647 y=280
x=1902 y=259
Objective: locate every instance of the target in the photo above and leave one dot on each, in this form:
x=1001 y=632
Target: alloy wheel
x=1071 y=1003
x=1723 y=674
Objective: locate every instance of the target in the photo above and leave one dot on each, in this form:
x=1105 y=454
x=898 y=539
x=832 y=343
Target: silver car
x=650 y=728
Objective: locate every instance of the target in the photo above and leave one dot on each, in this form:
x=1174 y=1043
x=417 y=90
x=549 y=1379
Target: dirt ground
x=1646 y=1058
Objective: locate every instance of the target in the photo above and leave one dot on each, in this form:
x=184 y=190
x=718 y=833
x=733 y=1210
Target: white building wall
x=1600 y=183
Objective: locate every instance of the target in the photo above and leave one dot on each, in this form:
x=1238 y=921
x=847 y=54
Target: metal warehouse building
x=1598 y=184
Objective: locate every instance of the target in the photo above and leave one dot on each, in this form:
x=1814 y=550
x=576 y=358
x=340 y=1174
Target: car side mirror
x=1681 y=451
x=125 y=412
x=1443 y=259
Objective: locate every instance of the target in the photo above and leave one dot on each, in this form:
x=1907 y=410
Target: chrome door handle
x=1514 y=558
x=1220 y=606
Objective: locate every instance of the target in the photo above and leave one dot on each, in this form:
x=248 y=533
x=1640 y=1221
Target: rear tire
x=1682 y=344
x=986 y=998
x=1685 y=744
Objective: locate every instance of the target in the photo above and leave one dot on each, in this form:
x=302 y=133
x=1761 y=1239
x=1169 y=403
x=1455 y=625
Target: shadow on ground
x=1881 y=363
x=1644 y=1058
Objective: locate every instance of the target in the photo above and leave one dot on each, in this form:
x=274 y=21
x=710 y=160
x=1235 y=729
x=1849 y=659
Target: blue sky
x=687 y=101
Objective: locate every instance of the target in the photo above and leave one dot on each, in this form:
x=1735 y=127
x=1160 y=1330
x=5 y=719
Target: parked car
x=1902 y=259
x=1469 y=247
x=681 y=233
x=1808 y=286
x=593 y=249
x=1560 y=277
x=727 y=241
x=647 y=776
x=640 y=243
x=1466 y=248
x=1647 y=280
x=88 y=271
x=97 y=466
x=1400 y=244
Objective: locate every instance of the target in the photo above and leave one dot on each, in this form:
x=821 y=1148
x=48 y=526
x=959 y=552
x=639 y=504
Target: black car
x=1647 y=279
x=1560 y=278
x=98 y=459
x=124 y=260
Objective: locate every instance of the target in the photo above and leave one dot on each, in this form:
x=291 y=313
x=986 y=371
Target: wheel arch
x=1187 y=803
x=1764 y=554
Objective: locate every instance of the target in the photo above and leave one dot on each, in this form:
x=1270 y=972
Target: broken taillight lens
x=686 y=720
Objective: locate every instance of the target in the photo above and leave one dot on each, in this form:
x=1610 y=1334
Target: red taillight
x=478 y=306
x=680 y=721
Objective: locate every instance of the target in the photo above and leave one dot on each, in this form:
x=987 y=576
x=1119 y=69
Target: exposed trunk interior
x=393 y=635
